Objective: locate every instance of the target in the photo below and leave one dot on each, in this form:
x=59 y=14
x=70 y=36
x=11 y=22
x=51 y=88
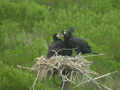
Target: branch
x=95 y=78
x=27 y=68
x=93 y=55
x=34 y=83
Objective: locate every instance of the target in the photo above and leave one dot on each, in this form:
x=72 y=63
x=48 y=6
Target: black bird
x=56 y=46
x=72 y=42
x=67 y=51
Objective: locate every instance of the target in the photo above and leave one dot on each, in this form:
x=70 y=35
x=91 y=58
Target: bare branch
x=27 y=68
x=94 y=79
x=34 y=83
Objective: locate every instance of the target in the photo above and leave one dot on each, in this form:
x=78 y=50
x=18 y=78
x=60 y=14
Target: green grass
x=27 y=26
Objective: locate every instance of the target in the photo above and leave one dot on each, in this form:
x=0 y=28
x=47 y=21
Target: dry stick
x=34 y=83
x=93 y=81
x=70 y=80
x=63 y=84
x=95 y=78
x=63 y=80
x=71 y=77
x=27 y=68
x=90 y=79
x=99 y=84
x=93 y=55
x=106 y=87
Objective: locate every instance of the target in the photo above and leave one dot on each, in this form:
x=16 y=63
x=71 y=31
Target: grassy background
x=27 y=26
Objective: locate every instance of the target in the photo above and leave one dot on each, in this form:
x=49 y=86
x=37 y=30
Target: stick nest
x=71 y=67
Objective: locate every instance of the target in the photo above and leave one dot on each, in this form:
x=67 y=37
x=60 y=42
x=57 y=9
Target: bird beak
x=60 y=36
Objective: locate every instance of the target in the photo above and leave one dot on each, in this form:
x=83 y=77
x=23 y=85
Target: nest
x=72 y=69
x=63 y=66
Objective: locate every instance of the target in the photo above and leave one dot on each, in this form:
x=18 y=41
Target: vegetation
x=27 y=26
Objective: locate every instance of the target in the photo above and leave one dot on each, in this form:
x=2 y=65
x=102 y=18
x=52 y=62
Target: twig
x=95 y=79
x=27 y=68
x=63 y=83
x=106 y=87
x=93 y=55
x=70 y=80
x=34 y=83
x=99 y=84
